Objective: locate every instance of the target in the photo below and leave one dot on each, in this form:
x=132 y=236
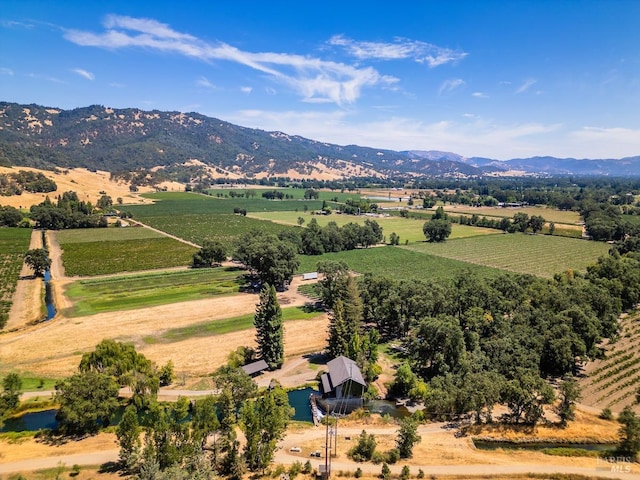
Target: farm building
x=343 y=386
x=256 y=368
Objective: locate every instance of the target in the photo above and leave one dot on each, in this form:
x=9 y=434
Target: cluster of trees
x=407 y=437
x=521 y=222
x=472 y=342
x=212 y=253
x=276 y=195
x=68 y=212
x=34 y=182
x=347 y=333
x=269 y=258
x=359 y=206
x=604 y=222
x=10 y=216
x=89 y=398
x=199 y=439
x=316 y=240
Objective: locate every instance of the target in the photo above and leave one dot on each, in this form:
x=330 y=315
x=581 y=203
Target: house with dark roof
x=343 y=386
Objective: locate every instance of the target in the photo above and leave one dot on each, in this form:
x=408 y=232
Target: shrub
x=405 y=474
x=420 y=473
x=358 y=473
x=307 y=467
x=386 y=472
x=295 y=469
x=606 y=414
x=364 y=449
x=393 y=456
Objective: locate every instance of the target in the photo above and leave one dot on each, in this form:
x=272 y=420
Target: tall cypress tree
x=269 y=329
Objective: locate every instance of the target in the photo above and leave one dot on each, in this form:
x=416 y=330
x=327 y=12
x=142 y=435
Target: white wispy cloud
x=399 y=49
x=479 y=95
x=450 y=85
x=44 y=77
x=246 y=90
x=84 y=73
x=314 y=79
x=607 y=142
x=526 y=85
x=204 y=82
x=6 y=71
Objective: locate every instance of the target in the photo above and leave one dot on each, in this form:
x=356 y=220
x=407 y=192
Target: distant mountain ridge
x=103 y=138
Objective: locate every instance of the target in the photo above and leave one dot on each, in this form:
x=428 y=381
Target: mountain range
x=116 y=140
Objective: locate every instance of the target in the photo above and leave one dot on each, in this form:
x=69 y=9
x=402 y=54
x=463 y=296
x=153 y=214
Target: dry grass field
x=85 y=183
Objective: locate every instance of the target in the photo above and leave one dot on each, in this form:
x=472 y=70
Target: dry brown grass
x=86 y=184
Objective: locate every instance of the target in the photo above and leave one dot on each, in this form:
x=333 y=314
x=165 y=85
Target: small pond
x=30 y=422
x=299 y=400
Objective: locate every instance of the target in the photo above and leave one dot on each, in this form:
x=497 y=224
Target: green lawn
x=540 y=255
x=226 y=325
x=138 y=291
x=398 y=263
x=409 y=229
x=100 y=251
x=14 y=242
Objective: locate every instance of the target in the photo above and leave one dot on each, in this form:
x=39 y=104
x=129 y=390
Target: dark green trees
x=272 y=260
x=407 y=437
x=10 y=397
x=438 y=228
x=211 y=254
x=629 y=432
x=38 y=260
x=269 y=328
x=264 y=422
x=85 y=399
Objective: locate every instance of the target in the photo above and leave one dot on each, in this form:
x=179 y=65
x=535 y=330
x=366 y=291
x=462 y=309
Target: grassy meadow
x=146 y=290
x=101 y=251
x=14 y=242
x=540 y=255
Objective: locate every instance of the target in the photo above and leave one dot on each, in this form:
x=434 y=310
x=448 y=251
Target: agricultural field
x=409 y=229
x=14 y=242
x=100 y=251
x=295 y=193
x=567 y=217
x=226 y=325
x=613 y=381
x=178 y=204
x=540 y=255
x=128 y=292
x=399 y=263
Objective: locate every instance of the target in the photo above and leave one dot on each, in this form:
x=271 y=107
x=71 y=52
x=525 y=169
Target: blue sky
x=479 y=78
